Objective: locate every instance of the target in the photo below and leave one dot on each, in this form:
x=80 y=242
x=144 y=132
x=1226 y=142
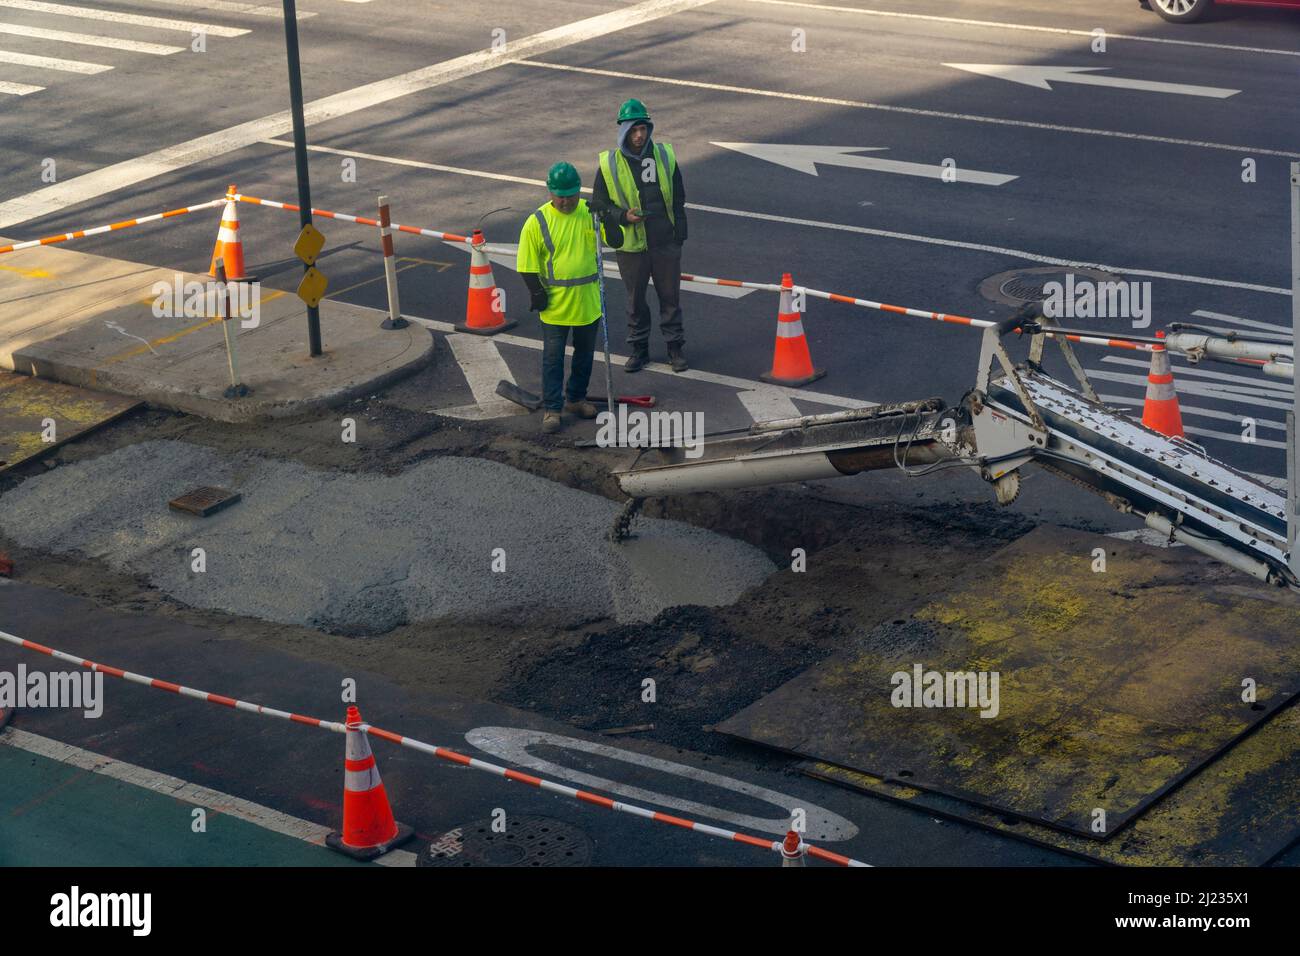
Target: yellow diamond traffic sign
x=312 y=287
x=309 y=244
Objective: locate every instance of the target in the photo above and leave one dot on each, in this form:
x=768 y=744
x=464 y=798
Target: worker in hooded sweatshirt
x=642 y=179
x=557 y=261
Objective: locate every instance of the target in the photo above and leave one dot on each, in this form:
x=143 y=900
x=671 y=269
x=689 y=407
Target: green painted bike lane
x=54 y=814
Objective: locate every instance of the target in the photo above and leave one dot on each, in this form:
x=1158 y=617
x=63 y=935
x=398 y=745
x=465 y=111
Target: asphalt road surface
x=1173 y=173
x=1143 y=176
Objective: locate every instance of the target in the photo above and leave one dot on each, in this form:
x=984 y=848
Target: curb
x=211 y=404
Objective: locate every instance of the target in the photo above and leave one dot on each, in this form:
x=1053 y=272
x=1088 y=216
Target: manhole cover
x=527 y=841
x=204 y=501
x=1026 y=285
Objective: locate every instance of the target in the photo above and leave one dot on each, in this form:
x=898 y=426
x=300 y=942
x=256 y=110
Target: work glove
x=538 y=301
x=611 y=217
x=612 y=220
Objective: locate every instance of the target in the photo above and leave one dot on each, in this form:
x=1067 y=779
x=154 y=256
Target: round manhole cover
x=1020 y=286
x=526 y=841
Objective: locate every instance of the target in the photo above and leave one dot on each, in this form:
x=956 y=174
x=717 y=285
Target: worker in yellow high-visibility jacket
x=557 y=261
x=642 y=178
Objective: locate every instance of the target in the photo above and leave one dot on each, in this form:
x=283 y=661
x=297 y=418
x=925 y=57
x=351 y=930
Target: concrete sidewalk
x=90 y=321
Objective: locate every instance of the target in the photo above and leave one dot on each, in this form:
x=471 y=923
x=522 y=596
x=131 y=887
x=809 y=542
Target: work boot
x=638 y=360
x=551 y=423
x=583 y=409
x=676 y=359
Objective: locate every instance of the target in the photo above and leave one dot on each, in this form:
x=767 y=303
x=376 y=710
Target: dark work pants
x=554 y=339
x=664 y=265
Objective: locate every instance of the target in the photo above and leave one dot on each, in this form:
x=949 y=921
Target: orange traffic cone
x=230 y=247
x=791 y=363
x=484 y=310
x=369 y=829
x=1160 y=410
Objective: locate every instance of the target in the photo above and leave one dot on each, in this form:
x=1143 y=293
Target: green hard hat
x=563 y=179
x=633 y=110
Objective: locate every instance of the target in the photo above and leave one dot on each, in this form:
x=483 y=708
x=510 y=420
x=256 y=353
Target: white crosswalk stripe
x=1283 y=330
x=18 y=89
x=483 y=366
x=113 y=16
x=272 y=9
x=1243 y=380
x=1228 y=393
x=1237 y=395
x=88 y=39
x=1233 y=437
x=768 y=404
x=51 y=63
x=84 y=37
x=1194 y=411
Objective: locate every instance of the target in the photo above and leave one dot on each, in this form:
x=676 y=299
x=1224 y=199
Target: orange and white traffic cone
x=1160 y=411
x=369 y=829
x=229 y=247
x=791 y=362
x=485 y=312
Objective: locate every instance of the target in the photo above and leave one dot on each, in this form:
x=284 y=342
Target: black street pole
x=300 y=150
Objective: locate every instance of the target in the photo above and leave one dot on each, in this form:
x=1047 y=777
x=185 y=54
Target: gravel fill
x=364 y=553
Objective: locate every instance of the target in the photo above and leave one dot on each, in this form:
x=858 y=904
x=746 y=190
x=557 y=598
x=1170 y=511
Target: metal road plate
x=1239 y=810
x=204 y=501
x=37 y=415
x=312 y=287
x=1113 y=686
x=309 y=244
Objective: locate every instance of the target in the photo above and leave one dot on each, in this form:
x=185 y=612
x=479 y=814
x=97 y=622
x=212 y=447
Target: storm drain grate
x=1030 y=288
x=527 y=841
x=1020 y=286
x=204 y=501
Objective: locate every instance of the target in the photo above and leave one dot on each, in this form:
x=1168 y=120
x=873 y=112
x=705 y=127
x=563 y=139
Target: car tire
x=1181 y=11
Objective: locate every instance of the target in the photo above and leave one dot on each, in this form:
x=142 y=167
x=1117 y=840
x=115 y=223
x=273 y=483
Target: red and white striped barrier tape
x=443 y=753
x=964 y=320
x=902 y=310
x=456 y=237
x=345 y=217
x=97 y=230
x=733 y=283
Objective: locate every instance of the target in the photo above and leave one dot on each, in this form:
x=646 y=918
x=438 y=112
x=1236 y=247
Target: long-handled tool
x=604 y=321
x=532 y=402
x=644 y=401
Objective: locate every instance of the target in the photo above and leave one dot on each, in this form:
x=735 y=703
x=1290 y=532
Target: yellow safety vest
x=561 y=249
x=621 y=184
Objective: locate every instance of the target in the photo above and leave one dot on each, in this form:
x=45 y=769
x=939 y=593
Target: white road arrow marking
x=1043 y=76
x=805 y=159
x=506 y=254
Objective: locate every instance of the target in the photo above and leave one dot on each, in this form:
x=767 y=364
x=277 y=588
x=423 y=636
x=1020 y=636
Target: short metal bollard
x=236 y=389
x=394 y=320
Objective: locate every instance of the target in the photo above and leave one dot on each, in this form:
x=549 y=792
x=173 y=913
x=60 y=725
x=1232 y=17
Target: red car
x=1185 y=11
